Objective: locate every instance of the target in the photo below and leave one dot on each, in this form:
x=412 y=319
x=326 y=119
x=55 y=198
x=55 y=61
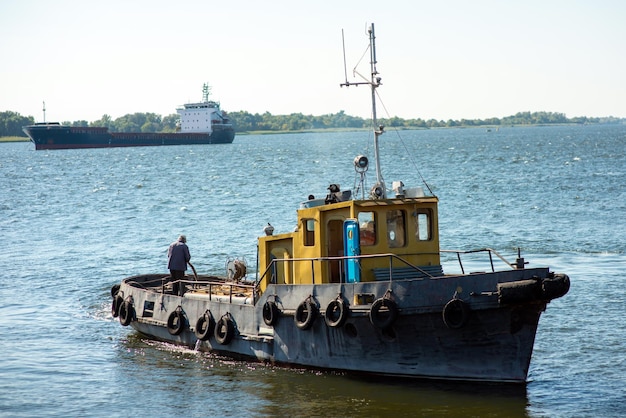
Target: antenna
x=345 y=68
x=379 y=189
x=206 y=92
x=44 y=112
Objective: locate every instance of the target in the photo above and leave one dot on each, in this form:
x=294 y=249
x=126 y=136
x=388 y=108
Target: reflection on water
x=238 y=387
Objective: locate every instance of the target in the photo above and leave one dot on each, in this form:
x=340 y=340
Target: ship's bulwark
x=494 y=344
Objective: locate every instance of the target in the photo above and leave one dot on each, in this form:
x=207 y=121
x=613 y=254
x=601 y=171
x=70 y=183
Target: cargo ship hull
x=55 y=136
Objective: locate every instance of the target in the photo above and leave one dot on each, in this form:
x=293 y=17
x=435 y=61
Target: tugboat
x=200 y=123
x=357 y=287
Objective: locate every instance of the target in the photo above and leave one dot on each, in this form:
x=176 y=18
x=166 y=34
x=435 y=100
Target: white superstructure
x=200 y=117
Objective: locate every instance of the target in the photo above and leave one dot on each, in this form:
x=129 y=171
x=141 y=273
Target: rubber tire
x=270 y=313
x=383 y=320
x=305 y=315
x=455 y=313
x=224 y=330
x=126 y=313
x=116 y=305
x=205 y=326
x=336 y=313
x=176 y=323
x=114 y=289
x=555 y=287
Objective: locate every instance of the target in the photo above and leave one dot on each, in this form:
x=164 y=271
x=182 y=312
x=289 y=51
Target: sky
x=437 y=59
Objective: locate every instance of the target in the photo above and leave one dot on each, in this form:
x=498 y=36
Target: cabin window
x=367 y=228
x=396 y=236
x=309 y=232
x=423 y=227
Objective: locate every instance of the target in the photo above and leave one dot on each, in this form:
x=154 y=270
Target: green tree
x=104 y=121
x=11 y=123
x=170 y=122
x=137 y=122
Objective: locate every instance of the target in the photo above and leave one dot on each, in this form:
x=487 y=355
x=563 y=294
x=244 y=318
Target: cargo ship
x=200 y=123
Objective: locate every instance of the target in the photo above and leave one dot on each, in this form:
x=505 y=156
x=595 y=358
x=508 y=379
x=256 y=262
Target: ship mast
x=379 y=190
x=206 y=92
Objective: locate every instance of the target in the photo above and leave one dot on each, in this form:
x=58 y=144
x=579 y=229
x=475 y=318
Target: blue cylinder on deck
x=351 y=248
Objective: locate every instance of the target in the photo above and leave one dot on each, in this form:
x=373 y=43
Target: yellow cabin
x=392 y=234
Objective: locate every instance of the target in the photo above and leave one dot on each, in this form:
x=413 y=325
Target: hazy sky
x=437 y=59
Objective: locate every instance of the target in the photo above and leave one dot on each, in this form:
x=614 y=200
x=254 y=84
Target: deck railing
x=519 y=262
x=206 y=283
x=394 y=261
x=398 y=267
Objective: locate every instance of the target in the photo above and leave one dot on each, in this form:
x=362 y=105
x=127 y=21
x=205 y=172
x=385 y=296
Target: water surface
x=74 y=222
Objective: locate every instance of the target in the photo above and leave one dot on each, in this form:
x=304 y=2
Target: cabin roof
x=371 y=203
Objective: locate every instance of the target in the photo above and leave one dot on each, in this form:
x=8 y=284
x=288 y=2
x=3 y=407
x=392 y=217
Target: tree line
x=246 y=122
x=11 y=122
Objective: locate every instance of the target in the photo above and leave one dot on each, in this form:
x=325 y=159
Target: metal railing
x=519 y=262
x=233 y=288
x=270 y=273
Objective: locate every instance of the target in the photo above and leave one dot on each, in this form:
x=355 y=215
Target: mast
x=206 y=92
x=379 y=190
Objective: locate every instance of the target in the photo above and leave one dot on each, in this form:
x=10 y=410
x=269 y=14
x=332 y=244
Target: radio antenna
x=379 y=190
x=345 y=68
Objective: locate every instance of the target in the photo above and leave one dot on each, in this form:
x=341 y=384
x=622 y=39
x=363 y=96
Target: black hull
x=490 y=341
x=54 y=136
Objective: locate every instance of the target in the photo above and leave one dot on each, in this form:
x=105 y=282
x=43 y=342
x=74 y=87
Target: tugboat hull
x=488 y=341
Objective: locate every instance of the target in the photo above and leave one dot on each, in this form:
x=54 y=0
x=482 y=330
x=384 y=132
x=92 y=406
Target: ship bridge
x=371 y=236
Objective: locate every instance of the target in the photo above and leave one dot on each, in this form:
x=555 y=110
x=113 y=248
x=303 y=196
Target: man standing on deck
x=177 y=258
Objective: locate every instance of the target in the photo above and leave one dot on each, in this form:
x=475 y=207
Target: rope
x=405 y=146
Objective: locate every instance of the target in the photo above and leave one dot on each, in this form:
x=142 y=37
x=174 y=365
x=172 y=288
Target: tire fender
x=305 y=314
x=126 y=312
x=176 y=322
x=336 y=313
x=224 y=330
x=455 y=313
x=270 y=313
x=205 y=326
x=383 y=313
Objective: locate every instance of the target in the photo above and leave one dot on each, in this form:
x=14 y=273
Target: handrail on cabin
x=274 y=263
x=519 y=263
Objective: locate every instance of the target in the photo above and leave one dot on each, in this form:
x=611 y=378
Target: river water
x=74 y=222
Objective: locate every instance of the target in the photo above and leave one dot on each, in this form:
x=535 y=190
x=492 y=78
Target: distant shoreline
x=14 y=139
x=322 y=130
